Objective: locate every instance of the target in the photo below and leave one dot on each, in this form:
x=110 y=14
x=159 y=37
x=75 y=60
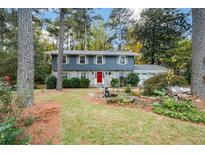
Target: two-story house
x=100 y=67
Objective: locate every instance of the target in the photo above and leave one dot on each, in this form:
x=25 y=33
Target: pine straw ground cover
x=42 y=121
x=88 y=121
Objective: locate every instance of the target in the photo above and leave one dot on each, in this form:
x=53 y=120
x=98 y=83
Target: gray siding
x=110 y=64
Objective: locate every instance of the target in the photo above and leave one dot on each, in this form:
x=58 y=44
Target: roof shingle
x=82 y=52
x=149 y=67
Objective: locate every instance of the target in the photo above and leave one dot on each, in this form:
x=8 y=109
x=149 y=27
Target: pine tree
x=198 y=53
x=25 y=73
x=60 y=51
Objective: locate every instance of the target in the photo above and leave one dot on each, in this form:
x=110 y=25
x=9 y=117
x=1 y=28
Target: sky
x=104 y=12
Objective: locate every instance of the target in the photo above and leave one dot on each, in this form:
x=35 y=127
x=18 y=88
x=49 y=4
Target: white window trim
x=66 y=74
x=96 y=60
x=125 y=60
x=85 y=60
x=67 y=59
x=85 y=75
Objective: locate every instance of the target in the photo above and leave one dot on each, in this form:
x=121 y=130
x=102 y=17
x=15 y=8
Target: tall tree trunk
x=198 y=52
x=68 y=40
x=2 y=31
x=1 y=42
x=25 y=76
x=152 y=59
x=60 y=51
x=85 y=47
x=67 y=37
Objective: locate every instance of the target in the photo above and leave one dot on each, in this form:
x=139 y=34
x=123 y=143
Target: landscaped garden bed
x=118 y=97
x=86 y=115
x=178 y=108
x=161 y=103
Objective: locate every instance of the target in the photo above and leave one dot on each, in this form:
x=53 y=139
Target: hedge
x=51 y=82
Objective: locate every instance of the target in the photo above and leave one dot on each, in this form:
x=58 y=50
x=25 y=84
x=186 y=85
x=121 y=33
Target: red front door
x=99 y=77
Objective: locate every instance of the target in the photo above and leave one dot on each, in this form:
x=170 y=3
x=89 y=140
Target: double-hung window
x=65 y=59
x=122 y=60
x=99 y=59
x=83 y=75
x=82 y=59
x=64 y=75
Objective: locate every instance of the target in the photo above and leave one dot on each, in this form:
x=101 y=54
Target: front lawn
x=86 y=122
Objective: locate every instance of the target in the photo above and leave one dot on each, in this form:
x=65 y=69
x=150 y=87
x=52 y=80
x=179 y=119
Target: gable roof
x=149 y=67
x=82 y=52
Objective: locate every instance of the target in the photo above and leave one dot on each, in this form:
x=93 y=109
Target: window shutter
x=95 y=58
x=78 y=59
x=87 y=59
x=67 y=60
x=118 y=60
x=103 y=60
x=126 y=60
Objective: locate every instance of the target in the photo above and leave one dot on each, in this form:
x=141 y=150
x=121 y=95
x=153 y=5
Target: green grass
x=84 y=122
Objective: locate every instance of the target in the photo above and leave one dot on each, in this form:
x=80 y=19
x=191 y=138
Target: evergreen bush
x=114 y=83
x=159 y=82
x=75 y=83
x=84 y=83
x=132 y=79
x=51 y=82
x=66 y=83
x=127 y=89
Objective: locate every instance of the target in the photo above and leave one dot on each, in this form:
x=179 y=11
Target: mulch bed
x=46 y=127
x=143 y=103
x=200 y=103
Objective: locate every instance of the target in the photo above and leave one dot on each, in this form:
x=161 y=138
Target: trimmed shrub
x=114 y=83
x=66 y=83
x=84 y=83
x=132 y=79
x=51 y=82
x=127 y=89
x=159 y=82
x=74 y=83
